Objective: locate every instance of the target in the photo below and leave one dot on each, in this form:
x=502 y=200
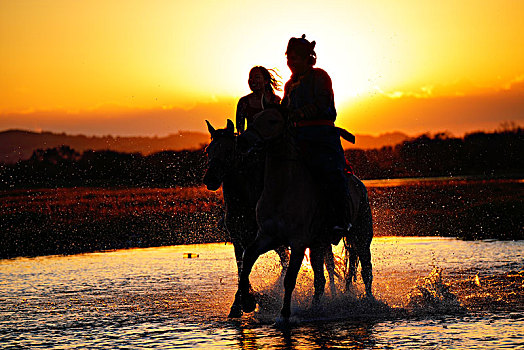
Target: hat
x=301 y=46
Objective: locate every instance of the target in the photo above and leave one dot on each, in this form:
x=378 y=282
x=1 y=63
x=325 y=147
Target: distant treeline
x=486 y=154
x=64 y=167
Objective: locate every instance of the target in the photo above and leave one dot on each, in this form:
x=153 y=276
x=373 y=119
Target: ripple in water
x=431 y=293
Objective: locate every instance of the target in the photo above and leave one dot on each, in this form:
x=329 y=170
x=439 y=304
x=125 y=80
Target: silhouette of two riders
x=309 y=100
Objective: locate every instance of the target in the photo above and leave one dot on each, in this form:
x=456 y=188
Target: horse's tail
x=358 y=240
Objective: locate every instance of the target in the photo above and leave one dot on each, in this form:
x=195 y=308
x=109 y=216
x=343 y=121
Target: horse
x=241 y=178
x=291 y=211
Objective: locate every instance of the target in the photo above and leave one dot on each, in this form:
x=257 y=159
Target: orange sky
x=153 y=67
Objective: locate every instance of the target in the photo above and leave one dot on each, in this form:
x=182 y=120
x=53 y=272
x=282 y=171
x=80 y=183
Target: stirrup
x=338 y=232
x=342 y=229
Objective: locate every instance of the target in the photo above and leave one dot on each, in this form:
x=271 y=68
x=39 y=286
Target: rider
x=263 y=83
x=308 y=95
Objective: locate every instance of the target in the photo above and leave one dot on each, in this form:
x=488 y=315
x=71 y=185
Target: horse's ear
x=230 y=126
x=210 y=128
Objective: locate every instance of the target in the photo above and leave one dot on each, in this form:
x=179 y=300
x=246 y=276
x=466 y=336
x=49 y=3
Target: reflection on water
x=158 y=297
x=416 y=181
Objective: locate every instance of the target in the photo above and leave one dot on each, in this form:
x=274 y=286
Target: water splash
x=342 y=306
x=431 y=294
x=336 y=304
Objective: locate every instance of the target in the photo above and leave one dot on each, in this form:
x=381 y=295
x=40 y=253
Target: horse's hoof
x=282 y=322
x=316 y=301
x=370 y=297
x=235 y=312
x=249 y=303
x=369 y=293
x=285 y=313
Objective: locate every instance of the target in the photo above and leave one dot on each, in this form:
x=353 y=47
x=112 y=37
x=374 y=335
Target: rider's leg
x=340 y=204
x=324 y=156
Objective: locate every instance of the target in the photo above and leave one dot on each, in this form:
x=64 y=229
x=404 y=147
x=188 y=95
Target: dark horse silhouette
x=242 y=181
x=291 y=211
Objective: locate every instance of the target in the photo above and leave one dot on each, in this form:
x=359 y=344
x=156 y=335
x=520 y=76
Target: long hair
x=271 y=76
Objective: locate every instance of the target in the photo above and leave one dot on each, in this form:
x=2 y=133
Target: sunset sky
x=154 y=67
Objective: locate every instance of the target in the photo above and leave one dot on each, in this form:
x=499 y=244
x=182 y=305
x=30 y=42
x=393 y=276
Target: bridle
x=222 y=165
x=234 y=160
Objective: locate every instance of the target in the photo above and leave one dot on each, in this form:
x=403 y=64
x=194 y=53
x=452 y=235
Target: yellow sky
x=85 y=62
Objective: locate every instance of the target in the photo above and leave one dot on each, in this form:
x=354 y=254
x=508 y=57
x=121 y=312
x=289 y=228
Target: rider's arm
x=324 y=97
x=323 y=105
x=241 y=114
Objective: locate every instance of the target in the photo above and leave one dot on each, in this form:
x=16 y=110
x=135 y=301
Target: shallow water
x=156 y=297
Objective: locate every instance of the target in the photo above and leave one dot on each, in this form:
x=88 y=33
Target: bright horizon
x=156 y=67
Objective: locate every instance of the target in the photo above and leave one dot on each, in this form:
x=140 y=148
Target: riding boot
x=341 y=215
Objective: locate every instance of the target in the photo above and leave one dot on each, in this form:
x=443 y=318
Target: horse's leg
x=317 y=263
x=239 y=252
x=364 y=254
x=297 y=255
x=365 y=236
x=236 y=308
x=330 y=266
x=261 y=245
x=351 y=260
x=283 y=254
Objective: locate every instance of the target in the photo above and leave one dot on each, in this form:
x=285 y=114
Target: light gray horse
x=291 y=211
x=242 y=180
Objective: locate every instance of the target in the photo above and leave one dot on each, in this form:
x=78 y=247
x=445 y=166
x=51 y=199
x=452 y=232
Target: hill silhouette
x=18 y=145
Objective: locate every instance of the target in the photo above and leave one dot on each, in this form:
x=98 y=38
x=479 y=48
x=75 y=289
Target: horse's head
x=268 y=125
x=220 y=153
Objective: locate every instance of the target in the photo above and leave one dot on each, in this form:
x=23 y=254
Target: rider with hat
x=308 y=95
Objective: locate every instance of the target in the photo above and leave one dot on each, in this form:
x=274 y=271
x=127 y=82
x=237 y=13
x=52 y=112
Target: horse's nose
x=212 y=182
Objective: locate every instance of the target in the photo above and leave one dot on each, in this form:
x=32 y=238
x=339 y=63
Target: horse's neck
x=240 y=186
x=284 y=169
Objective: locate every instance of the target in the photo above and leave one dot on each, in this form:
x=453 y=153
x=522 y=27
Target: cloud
x=416 y=112
x=460 y=87
x=516 y=86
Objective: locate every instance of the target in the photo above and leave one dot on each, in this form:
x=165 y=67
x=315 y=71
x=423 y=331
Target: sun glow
x=353 y=69
x=77 y=56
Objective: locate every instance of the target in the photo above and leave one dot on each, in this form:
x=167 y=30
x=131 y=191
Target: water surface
x=156 y=297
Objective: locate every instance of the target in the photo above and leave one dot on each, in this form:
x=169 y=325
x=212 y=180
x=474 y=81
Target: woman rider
x=263 y=84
